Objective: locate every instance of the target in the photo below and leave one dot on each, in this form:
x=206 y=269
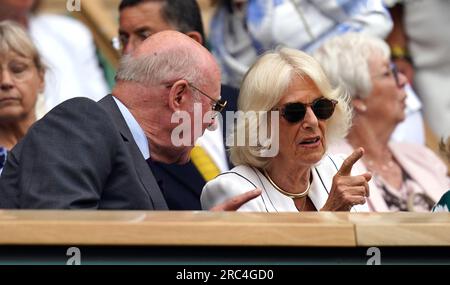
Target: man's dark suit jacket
x=183 y=184
x=81 y=155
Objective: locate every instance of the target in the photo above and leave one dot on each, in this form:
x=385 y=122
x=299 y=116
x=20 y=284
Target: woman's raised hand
x=348 y=191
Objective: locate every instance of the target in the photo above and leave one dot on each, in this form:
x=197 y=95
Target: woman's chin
x=311 y=157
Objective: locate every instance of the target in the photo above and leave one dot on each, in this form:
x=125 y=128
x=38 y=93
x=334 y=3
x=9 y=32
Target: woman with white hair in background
x=300 y=176
x=21 y=81
x=406 y=177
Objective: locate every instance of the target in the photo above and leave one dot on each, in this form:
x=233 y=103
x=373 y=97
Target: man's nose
x=132 y=44
x=128 y=48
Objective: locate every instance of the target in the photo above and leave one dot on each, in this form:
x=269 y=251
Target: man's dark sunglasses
x=323 y=109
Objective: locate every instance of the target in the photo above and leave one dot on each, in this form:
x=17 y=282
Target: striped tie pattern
x=204 y=163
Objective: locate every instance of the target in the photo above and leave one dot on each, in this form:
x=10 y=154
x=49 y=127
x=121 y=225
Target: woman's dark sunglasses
x=323 y=109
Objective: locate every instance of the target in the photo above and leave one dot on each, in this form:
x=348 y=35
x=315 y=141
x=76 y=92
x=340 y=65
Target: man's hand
x=236 y=202
x=348 y=190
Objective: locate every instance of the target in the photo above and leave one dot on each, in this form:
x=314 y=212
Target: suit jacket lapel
x=142 y=169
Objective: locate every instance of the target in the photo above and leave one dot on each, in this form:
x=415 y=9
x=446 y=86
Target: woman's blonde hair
x=14 y=38
x=263 y=87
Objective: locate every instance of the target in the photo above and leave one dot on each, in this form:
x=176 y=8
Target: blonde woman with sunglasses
x=289 y=86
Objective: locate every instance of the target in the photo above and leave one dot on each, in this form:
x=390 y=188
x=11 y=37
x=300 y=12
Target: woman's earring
x=359 y=105
x=362 y=108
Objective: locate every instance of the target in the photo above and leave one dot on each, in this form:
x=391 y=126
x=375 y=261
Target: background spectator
x=420 y=49
x=21 y=84
x=406 y=177
x=67 y=48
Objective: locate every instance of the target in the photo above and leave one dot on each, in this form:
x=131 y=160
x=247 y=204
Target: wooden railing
x=227 y=238
x=203 y=228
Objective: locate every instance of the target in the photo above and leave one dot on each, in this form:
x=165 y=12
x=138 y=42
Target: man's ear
x=178 y=95
x=196 y=36
x=359 y=105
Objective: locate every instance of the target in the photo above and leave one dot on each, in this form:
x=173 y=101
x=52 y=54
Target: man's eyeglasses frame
x=218 y=106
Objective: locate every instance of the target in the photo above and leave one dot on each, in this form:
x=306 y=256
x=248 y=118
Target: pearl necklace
x=387 y=164
x=384 y=167
x=290 y=195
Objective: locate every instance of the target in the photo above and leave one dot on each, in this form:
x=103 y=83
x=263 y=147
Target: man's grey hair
x=160 y=68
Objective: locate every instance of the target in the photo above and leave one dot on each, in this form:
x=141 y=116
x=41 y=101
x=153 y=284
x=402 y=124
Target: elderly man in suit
x=92 y=155
x=181 y=184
